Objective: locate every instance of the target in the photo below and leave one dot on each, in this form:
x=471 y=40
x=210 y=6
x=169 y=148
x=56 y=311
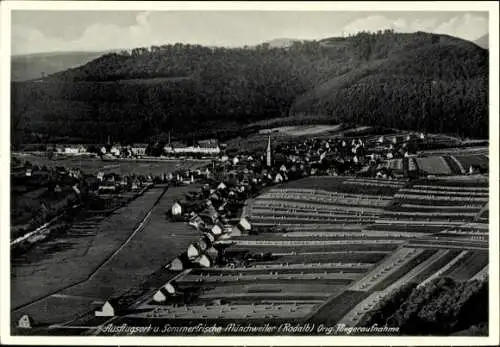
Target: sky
x=57 y=31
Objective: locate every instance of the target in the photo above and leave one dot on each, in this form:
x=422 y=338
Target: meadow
x=92 y=165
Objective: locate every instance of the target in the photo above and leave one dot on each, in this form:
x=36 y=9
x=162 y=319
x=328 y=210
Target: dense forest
x=441 y=307
x=411 y=81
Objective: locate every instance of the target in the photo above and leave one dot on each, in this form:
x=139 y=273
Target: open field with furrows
x=274 y=290
x=476 y=160
x=468 y=266
x=293 y=207
x=282 y=268
x=65 y=260
x=389 y=268
x=346 y=185
x=148 y=249
x=233 y=311
x=431 y=207
x=342 y=256
x=435 y=165
x=477 y=150
x=421 y=272
x=93 y=165
x=382 y=246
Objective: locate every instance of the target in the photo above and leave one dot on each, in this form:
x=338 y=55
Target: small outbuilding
x=164 y=292
x=176 y=265
x=25 y=322
x=176 y=209
x=107 y=310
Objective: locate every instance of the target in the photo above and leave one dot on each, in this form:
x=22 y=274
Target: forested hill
x=415 y=81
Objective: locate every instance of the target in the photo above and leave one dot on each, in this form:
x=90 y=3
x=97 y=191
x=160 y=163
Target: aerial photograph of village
x=326 y=173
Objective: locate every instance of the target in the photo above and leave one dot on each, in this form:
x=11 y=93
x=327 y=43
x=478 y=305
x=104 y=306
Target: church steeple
x=268 y=153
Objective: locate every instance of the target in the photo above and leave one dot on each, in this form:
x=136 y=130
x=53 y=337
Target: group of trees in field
x=419 y=81
x=441 y=307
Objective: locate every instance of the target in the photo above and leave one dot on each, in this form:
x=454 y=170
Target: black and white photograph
x=290 y=171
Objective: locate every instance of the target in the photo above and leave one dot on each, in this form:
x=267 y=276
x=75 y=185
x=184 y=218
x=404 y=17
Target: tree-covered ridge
x=371 y=78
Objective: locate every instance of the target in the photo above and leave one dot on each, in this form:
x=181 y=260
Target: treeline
x=441 y=307
x=189 y=89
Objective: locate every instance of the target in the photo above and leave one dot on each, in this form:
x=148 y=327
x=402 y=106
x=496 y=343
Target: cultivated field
x=99 y=259
x=93 y=165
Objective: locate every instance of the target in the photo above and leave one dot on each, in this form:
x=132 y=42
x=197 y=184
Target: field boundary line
x=443 y=269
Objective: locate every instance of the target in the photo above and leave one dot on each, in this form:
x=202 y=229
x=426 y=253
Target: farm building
x=278 y=178
x=115 y=150
x=176 y=209
x=74 y=149
x=193 y=251
x=242 y=227
x=164 y=292
x=109 y=309
x=107 y=187
x=216 y=230
x=25 y=322
x=138 y=149
x=202 y=261
x=176 y=265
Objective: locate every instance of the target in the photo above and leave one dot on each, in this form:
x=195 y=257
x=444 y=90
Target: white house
x=243 y=226
x=115 y=151
x=221 y=186
x=71 y=150
x=278 y=178
x=107 y=310
x=176 y=265
x=164 y=292
x=25 y=322
x=193 y=251
x=138 y=150
x=203 y=261
x=216 y=230
x=176 y=209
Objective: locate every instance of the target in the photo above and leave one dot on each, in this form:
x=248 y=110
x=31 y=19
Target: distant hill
x=416 y=81
x=282 y=42
x=31 y=66
x=483 y=41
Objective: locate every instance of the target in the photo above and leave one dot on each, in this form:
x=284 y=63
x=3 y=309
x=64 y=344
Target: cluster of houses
x=205 y=148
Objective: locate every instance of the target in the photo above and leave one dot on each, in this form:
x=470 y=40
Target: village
x=224 y=203
x=244 y=174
